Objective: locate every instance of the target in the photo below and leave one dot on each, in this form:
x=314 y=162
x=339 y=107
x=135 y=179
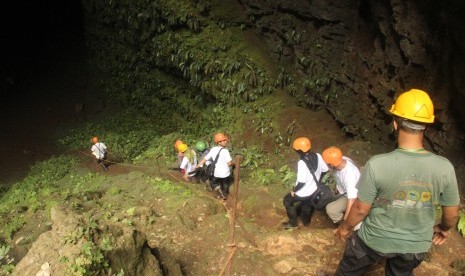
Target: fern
x=461 y=224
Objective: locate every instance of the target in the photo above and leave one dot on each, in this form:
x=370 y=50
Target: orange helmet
x=220 y=137
x=95 y=139
x=332 y=156
x=182 y=147
x=302 y=143
x=177 y=143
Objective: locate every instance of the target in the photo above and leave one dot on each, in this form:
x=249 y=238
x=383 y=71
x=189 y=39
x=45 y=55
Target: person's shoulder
x=380 y=158
x=438 y=159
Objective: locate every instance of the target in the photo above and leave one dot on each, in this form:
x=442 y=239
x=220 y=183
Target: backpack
x=323 y=195
x=211 y=168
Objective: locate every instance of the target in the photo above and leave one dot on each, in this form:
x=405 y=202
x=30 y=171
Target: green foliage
x=267 y=176
x=52 y=170
x=149 y=42
x=6 y=261
x=90 y=261
x=84 y=183
x=253 y=157
x=131 y=211
x=32 y=193
x=114 y=191
x=287 y=176
x=461 y=223
x=264 y=176
x=168 y=187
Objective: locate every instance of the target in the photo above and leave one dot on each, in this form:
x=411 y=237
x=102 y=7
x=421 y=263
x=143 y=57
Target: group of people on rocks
x=387 y=211
x=218 y=157
x=311 y=168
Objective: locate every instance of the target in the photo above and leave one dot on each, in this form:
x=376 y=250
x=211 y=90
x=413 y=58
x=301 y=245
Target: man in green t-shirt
x=397 y=194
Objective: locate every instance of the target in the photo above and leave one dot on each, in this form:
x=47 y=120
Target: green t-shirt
x=403 y=188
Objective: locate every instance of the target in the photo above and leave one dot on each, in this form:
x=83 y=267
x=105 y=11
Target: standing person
x=188 y=162
x=397 y=196
x=99 y=150
x=221 y=179
x=305 y=185
x=347 y=175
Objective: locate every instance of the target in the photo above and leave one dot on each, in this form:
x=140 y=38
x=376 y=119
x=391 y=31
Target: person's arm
x=299 y=186
x=200 y=164
x=450 y=216
x=350 y=202
x=358 y=213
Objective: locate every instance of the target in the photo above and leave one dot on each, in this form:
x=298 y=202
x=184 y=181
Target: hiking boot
x=289 y=226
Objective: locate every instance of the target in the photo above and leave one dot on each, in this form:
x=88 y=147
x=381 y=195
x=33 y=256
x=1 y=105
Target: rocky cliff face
x=359 y=55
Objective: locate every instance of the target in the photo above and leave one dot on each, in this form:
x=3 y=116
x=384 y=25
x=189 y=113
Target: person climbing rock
x=397 y=196
x=99 y=150
x=346 y=174
x=305 y=183
x=188 y=162
x=220 y=155
x=202 y=151
x=180 y=155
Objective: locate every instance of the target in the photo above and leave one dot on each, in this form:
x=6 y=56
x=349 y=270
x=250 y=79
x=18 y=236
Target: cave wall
x=371 y=51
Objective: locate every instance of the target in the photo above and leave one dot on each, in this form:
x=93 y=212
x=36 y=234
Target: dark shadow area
x=40 y=40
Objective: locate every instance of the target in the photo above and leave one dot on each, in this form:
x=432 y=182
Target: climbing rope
x=232 y=221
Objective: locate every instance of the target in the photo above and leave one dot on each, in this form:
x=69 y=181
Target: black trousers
x=358 y=258
x=290 y=203
x=102 y=162
x=222 y=183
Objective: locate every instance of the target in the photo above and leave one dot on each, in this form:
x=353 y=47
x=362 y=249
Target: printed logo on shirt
x=399 y=198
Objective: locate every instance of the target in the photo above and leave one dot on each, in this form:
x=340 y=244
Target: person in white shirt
x=99 y=150
x=347 y=175
x=188 y=162
x=221 y=179
x=305 y=183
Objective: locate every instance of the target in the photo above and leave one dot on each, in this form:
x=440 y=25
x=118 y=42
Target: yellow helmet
x=302 y=143
x=182 y=147
x=414 y=105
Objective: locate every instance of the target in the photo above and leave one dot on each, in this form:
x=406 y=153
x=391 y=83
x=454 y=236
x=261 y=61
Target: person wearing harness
x=346 y=174
x=398 y=195
x=188 y=162
x=221 y=179
x=305 y=183
x=99 y=150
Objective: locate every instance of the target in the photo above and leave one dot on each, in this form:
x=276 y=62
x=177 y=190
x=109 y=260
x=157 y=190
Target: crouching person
x=347 y=175
x=305 y=184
